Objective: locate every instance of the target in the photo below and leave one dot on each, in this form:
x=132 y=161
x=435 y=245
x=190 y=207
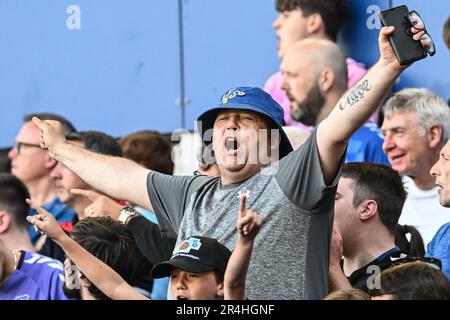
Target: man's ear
x=50 y=163
x=5 y=222
x=326 y=80
x=435 y=136
x=369 y=209
x=220 y=290
x=314 y=24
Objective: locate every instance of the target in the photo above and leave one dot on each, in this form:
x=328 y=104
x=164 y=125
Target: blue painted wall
x=228 y=43
x=432 y=72
x=121 y=71
x=118 y=73
x=360 y=42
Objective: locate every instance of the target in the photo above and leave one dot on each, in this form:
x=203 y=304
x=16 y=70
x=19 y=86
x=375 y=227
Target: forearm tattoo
x=355 y=95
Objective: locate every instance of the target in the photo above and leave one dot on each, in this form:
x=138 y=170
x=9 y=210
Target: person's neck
x=42 y=190
x=424 y=181
x=9 y=263
x=331 y=99
x=17 y=240
x=228 y=177
x=319 y=35
x=369 y=245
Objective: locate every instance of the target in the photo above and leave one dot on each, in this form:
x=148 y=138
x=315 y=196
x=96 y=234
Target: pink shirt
x=356 y=71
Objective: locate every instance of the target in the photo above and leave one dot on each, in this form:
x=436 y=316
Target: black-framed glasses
x=19 y=146
x=417 y=22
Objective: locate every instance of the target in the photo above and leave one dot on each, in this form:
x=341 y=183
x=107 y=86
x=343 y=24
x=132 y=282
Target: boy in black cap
x=198 y=267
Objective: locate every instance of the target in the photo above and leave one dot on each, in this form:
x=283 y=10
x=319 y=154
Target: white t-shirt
x=423 y=210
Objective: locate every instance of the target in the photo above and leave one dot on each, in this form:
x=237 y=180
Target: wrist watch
x=126 y=213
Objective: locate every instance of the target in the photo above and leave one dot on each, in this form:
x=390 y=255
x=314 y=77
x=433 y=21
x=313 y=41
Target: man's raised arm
x=356 y=106
x=117 y=177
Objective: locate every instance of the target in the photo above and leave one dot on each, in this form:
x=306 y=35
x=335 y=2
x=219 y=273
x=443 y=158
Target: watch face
x=125 y=213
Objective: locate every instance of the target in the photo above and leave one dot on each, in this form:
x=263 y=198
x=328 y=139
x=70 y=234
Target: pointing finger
x=91 y=195
x=39 y=123
x=37 y=207
x=243 y=205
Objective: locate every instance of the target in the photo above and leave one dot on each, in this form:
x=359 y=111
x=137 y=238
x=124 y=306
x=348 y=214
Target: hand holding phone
x=407 y=49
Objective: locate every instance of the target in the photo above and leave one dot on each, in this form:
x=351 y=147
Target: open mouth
x=231 y=144
x=182 y=298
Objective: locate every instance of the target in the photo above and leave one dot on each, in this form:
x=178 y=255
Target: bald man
x=314 y=78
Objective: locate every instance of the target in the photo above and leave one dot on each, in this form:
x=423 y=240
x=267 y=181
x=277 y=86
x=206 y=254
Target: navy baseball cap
x=195 y=254
x=253 y=99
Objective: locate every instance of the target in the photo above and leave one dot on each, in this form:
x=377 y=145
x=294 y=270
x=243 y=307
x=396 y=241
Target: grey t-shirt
x=290 y=257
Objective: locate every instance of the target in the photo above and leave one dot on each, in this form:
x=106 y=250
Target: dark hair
x=66 y=124
x=414 y=247
x=413 y=281
x=12 y=198
x=333 y=12
x=150 y=149
x=447 y=32
x=98 y=142
x=111 y=242
x=380 y=183
x=5 y=161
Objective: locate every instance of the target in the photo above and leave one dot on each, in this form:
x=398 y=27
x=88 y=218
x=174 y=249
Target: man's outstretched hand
x=45 y=222
x=52 y=133
x=387 y=54
x=101 y=206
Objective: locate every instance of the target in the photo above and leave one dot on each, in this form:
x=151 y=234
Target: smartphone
x=406 y=49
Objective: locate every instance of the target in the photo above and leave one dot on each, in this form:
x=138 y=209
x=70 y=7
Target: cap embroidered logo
x=188 y=245
x=232 y=93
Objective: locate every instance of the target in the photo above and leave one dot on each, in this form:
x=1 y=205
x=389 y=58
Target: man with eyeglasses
x=32 y=165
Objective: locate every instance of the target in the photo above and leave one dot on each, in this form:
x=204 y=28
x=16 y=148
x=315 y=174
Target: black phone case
x=406 y=49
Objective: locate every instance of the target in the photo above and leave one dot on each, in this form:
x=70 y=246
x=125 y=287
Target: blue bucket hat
x=253 y=99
